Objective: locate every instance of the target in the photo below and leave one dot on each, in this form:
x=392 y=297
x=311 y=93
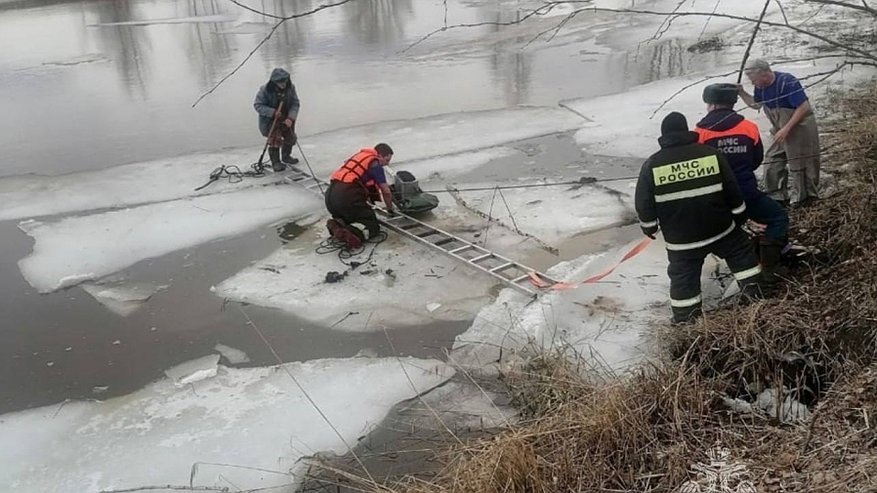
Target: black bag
x=408 y=196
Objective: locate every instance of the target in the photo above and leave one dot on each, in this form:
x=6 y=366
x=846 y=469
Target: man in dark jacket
x=277 y=104
x=738 y=139
x=689 y=192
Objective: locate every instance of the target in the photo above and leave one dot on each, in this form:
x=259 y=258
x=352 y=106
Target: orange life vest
x=353 y=169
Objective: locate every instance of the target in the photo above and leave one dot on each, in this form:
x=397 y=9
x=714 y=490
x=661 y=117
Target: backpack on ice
x=408 y=196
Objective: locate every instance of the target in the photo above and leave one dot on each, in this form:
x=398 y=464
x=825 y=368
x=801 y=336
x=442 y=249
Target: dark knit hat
x=723 y=93
x=674 y=122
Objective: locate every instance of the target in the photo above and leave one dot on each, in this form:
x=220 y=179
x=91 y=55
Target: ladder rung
x=480 y=258
x=461 y=249
x=501 y=267
x=394 y=218
x=519 y=279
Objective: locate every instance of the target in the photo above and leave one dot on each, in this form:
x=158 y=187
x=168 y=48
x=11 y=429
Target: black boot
x=686 y=315
x=286 y=156
x=276 y=164
x=751 y=289
x=772 y=270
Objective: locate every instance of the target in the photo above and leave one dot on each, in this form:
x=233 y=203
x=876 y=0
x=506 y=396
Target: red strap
x=566 y=286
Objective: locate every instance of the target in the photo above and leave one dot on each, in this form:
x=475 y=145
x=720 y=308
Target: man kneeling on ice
x=690 y=192
x=348 y=198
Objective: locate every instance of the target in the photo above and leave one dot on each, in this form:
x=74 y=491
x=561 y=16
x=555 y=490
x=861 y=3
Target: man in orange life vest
x=348 y=196
x=739 y=141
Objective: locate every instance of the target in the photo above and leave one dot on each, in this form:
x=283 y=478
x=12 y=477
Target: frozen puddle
x=76 y=249
x=254 y=417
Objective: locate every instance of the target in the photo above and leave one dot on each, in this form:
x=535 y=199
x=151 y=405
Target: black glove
x=650 y=232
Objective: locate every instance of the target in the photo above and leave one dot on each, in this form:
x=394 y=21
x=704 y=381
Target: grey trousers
x=791 y=171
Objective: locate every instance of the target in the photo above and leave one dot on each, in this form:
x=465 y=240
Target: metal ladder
x=513 y=274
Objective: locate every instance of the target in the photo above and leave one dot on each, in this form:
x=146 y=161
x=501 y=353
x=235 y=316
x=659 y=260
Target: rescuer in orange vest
x=348 y=197
x=739 y=141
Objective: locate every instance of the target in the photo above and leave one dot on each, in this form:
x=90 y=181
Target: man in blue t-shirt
x=792 y=174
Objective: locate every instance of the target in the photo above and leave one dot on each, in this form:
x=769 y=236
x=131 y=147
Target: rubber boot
x=772 y=270
x=341 y=233
x=686 y=315
x=276 y=164
x=751 y=289
x=286 y=156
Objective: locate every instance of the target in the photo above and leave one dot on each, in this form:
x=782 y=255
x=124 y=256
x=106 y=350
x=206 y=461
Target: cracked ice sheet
x=169 y=179
x=609 y=321
x=293 y=279
x=76 y=249
x=253 y=417
x=552 y=214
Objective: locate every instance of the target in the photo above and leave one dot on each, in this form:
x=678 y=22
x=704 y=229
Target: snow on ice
x=293 y=279
x=609 y=321
x=253 y=417
x=429 y=144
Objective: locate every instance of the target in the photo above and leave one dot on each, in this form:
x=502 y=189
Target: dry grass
x=644 y=432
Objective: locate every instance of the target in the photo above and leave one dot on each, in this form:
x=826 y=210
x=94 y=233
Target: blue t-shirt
x=374 y=172
x=785 y=92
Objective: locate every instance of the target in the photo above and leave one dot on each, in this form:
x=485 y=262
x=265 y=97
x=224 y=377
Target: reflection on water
x=133 y=102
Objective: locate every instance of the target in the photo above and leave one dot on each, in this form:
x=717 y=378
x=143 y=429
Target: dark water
x=63 y=345
x=79 y=90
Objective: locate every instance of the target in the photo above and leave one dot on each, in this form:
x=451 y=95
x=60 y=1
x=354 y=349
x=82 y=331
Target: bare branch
x=752 y=40
x=251 y=9
x=707 y=23
x=861 y=8
x=836 y=44
x=782 y=11
x=266 y=38
x=686 y=87
x=544 y=9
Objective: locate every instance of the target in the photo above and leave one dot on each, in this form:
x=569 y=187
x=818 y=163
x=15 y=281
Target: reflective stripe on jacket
x=689 y=191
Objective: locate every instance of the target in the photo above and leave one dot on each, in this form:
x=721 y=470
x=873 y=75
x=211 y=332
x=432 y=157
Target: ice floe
x=441 y=143
x=75 y=249
x=609 y=321
x=232 y=355
x=121 y=297
x=294 y=279
x=253 y=418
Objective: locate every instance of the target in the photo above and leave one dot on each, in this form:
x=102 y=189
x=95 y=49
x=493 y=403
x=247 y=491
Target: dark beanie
x=723 y=93
x=674 y=122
